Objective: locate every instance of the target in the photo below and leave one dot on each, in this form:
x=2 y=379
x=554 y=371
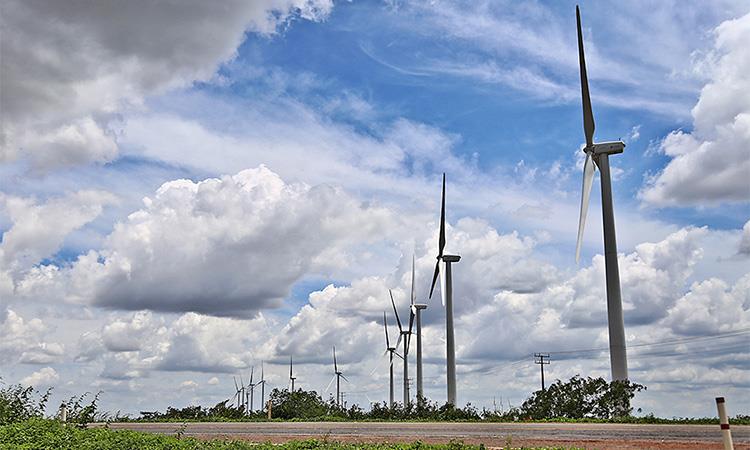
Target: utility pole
x=539 y=358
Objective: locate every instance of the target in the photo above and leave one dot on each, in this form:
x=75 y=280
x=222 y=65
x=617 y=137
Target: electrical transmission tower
x=541 y=359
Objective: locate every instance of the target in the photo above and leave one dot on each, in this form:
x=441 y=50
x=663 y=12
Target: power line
x=659 y=343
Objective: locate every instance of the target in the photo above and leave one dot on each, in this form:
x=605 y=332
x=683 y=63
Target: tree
x=580 y=398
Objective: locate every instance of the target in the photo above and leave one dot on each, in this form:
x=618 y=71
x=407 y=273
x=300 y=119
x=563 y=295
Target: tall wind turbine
x=599 y=154
x=291 y=372
x=404 y=335
x=446 y=287
x=337 y=376
x=416 y=310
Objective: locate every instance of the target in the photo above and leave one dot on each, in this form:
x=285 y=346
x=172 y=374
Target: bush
x=580 y=398
x=18 y=403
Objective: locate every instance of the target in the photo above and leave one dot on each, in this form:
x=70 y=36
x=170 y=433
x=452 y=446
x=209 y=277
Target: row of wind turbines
x=597 y=156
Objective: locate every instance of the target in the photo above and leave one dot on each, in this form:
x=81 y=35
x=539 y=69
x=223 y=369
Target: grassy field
x=41 y=434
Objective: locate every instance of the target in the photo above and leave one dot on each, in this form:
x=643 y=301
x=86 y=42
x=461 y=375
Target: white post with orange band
x=726 y=434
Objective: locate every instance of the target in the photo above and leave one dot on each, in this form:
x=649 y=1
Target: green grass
x=41 y=434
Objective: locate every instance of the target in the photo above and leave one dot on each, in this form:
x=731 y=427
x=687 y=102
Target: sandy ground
x=590 y=436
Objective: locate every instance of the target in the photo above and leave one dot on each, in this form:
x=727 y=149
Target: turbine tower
x=337 y=376
x=599 y=154
x=446 y=287
x=291 y=372
x=416 y=310
x=405 y=336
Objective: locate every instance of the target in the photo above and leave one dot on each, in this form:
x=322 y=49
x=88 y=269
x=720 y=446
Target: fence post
x=726 y=434
x=269 y=409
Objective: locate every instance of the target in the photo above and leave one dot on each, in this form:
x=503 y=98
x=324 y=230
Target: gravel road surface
x=587 y=435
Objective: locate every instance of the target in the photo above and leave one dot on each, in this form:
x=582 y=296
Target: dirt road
x=594 y=436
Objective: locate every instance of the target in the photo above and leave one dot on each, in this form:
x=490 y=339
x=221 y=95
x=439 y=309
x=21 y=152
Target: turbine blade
x=413 y=295
x=252 y=369
x=262 y=377
x=441 y=241
x=435 y=277
x=588 y=114
x=398 y=354
x=291 y=365
x=335 y=366
x=443 y=288
x=400 y=336
x=400 y=328
x=235 y=383
x=588 y=180
x=330 y=383
x=342 y=376
x=411 y=325
x=385 y=326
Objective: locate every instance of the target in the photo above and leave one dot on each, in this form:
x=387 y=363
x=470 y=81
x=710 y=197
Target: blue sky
x=196 y=190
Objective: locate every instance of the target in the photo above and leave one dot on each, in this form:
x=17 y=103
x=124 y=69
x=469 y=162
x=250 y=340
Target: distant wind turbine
x=390 y=351
x=405 y=335
x=599 y=154
x=337 y=376
x=291 y=372
x=416 y=310
x=446 y=287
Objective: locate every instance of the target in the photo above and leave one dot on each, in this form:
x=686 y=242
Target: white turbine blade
x=342 y=376
x=413 y=294
x=379 y=364
x=588 y=180
x=330 y=383
x=400 y=336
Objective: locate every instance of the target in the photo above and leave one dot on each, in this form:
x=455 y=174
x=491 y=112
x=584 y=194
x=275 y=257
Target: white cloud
x=712 y=306
x=68 y=69
x=23 y=341
x=710 y=165
x=744 y=248
x=229 y=246
x=39 y=229
x=46 y=377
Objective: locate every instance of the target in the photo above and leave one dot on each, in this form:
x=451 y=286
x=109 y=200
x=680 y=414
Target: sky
x=188 y=191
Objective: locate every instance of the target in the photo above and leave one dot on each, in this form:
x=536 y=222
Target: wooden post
x=726 y=434
x=268 y=408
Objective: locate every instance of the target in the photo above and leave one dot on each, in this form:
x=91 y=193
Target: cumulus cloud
x=67 y=69
x=39 y=228
x=229 y=246
x=710 y=165
x=744 y=248
x=23 y=341
x=712 y=306
x=46 y=377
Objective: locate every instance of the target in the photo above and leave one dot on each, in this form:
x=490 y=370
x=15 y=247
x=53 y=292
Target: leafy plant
x=19 y=403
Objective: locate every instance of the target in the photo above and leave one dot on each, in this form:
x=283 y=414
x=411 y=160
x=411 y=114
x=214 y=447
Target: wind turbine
x=390 y=351
x=416 y=310
x=262 y=384
x=252 y=390
x=338 y=376
x=237 y=392
x=599 y=154
x=404 y=335
x=446 y=287
x=291 y=373
x=243 y=400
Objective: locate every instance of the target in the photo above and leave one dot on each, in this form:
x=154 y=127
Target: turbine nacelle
x=609 y=148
